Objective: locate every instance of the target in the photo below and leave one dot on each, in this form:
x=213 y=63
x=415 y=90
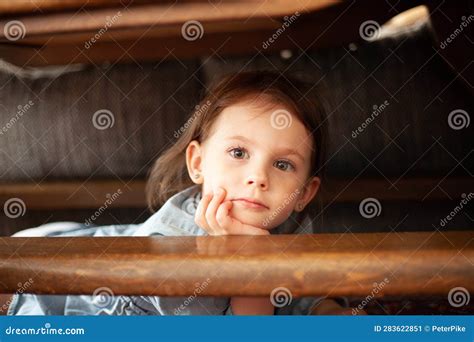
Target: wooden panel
x=162 y=15
x=150 y=32
x=77 y=194
x=93 y=194
x=307 y=265
x=147 y=33
x=42 y=6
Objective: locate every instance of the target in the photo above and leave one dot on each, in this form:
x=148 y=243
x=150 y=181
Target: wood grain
x=323 y=264
x=152 y=32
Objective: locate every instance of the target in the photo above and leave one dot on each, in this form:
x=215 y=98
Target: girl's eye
x=241 y=153
x=284 y=165
x=238 y=152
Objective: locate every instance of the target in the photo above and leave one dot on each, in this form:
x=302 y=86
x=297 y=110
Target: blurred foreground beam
x=306 y=265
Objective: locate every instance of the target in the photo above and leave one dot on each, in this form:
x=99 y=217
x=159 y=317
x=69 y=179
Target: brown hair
x=169 y=175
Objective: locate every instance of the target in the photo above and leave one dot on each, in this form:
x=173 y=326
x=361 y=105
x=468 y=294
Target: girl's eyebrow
x=285 y=150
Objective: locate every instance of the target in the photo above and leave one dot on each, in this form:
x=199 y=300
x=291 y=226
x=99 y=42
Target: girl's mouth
x=251 y=204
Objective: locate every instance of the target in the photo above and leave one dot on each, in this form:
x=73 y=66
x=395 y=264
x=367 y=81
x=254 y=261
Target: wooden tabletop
x=322 y=264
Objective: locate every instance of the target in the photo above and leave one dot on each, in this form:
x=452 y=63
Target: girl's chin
x=255 y=219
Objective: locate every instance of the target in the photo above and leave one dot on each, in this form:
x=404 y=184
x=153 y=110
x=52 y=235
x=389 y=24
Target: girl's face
x=256 y=155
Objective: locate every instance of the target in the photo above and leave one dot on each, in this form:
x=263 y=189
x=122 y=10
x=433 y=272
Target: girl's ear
x=193 y=161
x=309 y=191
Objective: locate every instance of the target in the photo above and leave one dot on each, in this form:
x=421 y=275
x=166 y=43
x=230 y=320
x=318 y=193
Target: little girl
x=248 y=162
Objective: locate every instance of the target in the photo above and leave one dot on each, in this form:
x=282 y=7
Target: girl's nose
x=259 y=181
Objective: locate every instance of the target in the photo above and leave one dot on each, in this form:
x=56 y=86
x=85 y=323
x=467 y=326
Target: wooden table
x=430 y=263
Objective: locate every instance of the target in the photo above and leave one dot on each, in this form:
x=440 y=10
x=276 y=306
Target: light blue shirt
x=175 y=218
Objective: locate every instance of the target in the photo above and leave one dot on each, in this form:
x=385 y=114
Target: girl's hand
x=212 y=215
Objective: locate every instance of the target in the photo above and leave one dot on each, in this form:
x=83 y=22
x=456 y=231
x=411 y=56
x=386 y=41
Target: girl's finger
x=222 y=216
x=199 y=216
x=211 y=211
x=231 y=226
